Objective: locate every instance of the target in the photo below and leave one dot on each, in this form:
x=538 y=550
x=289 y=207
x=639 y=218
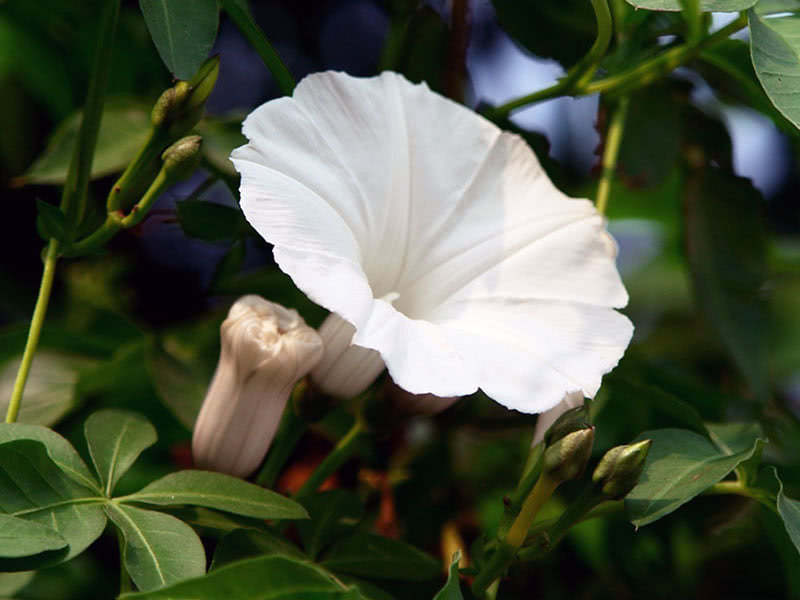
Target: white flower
x=437 y=238
x=265 y=350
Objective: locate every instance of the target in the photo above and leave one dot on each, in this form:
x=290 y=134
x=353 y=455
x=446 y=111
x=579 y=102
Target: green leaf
x=116 y=438
x=726 y=249
x=705 y=5
x=563 y=31
x=159 y=550
x=213 y=522
x=50 y=392
x=334 y=514
x=451 y=589
x=789 y=510
x=179 y=384
x=218 y=491
x=247 y=543
x=183 y=32
x=32 y=487
x=680 y=465
x=378 y=557
x=123 y=130
x=50 y=221
x=210 y=221
x=20 y=538
x=265 y=578
x=11 y=583
x=58 y=449
x=775 y=50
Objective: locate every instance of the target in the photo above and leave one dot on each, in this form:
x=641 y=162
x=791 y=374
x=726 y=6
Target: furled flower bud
x=620 y=468
x=566 y=458
x=180 y=107
x=265 y=350
x=565 y=417
x=345 y=370
x=182 y=157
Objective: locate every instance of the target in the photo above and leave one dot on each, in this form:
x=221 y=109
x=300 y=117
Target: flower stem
x=507 y=549
x=628 y=80
x=611 y=153
x=341 y=452
x=239 y=14
x=35 y=330
x=73 y=197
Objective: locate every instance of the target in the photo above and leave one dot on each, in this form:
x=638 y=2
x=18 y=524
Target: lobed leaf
x=116 y=438
x=34 y=488
x=218 y=491
x=159 y=550
x=264 y=578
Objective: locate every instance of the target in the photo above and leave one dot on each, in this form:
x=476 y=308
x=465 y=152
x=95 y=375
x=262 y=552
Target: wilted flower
x=266 y=349
x=436 y=240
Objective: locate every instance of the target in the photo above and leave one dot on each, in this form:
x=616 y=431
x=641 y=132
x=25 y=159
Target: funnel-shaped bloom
x=437 y=239
x=265 y=350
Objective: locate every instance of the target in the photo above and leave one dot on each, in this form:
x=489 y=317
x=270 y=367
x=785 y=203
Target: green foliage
x=776 y=56
x=334 y=514
x=209 y=221
x=273 y=577
x=451 y=589
x=705 y=5
x=726 y=249
x=789 y=510
x=218 y=491
x=183 y=32
x=380 y=558
x=680 y=465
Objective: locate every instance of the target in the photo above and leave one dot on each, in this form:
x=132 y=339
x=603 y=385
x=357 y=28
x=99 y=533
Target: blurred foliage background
x=712 y=264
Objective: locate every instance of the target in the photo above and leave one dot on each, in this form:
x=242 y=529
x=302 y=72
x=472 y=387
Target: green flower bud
x=566 y=458
x=182 y=157
x=619 y=470
x=572 y=420
x=181 y=107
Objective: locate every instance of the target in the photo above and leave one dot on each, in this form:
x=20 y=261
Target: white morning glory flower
x=436 y=240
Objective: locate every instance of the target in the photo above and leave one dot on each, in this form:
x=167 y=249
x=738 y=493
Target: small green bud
x=181 y=107
x=182 y=157
x=566 y=458
x=572 y=420
x=620 y=468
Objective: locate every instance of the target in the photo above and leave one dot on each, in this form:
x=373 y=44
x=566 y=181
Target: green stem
x=631 y=79
x=73 y=197
x=291 y=430
x=507 y=549
x=611 y=153
x=119 y=198
x=694 y=19
x=578 y=74
x=35 y=330
x=239 y=14
x=337 y=457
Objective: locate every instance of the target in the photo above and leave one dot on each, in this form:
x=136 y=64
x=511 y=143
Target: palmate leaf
x=159 y=549
x=264 y=578
x=34 y=488
x=183 y=32
x=116 y=438
x=680 y=465
x=220 y=492
x=30 y=541
x=241 y=544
